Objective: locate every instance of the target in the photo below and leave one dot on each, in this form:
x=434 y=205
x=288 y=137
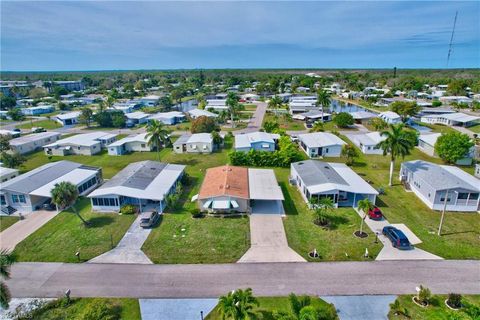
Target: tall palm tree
x=233 y=106
x=364 y=205
x=238 y=305
x=274 y=103
x=6 y=261
x=64 y=195
x=398 y=143
x=157 y=135
x=323 y=99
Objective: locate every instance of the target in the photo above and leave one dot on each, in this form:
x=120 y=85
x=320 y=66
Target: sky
x=124 y=35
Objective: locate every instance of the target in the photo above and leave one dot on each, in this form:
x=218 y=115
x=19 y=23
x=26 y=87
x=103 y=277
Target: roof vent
x=227 y=186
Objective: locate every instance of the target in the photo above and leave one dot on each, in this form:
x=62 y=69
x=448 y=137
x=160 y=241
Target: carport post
x=139 y=205
x=443 y=214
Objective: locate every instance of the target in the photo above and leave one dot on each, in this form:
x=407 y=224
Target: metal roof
x=263 y=185
x=194 y=138
x=429 y=138
x=200 y=112
x=320 y=139
x=245 y=140
x=69 y=115
x=134 y=138
x=367 y=139
x=84 y=139
x=33 y=137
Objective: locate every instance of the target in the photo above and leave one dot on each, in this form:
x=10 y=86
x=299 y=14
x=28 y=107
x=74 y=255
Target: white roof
x=150 y=97
x=460 y=117
x=199 y=112
x=263 y=185
x=134 y=138
x=69 y=115
x=137 y=115
x=8 y=132
x=33 y=137
x=6 y=171
x=167 y=115
x=354 y=182
x=390 y=115
x=245 y=140
x=320 y=139
x=76 y=176
x=429 y=138
x=216 y=102
x=156 y=190
x=367 y=139
x=84 y=139
x=362 y=115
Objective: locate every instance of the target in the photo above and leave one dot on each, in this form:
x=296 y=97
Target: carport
x=265 y=195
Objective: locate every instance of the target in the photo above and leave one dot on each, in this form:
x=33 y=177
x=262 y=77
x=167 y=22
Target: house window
x=473 y=196
x=463 y=196
x=3 y=201
x=442 y=199
x=143 y=145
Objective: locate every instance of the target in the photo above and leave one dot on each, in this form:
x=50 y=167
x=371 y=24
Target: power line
x=450 y=47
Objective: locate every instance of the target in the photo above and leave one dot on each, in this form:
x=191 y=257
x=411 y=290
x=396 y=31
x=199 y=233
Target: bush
x=203 y=124
x=454 y=300
x=343 y=119
x=453 y=146
x=424 y=295
x=128 y=209
x=99 y=309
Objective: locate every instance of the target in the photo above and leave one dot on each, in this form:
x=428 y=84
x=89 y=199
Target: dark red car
x=375 y=214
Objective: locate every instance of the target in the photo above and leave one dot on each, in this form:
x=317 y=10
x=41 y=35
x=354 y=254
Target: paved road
x=255 y=123
x=266 y=279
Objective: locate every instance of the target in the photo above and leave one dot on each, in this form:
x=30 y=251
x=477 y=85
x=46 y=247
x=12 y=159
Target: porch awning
x=221 y=204
x=234 y=204
x=207 y=204
x=194 y=198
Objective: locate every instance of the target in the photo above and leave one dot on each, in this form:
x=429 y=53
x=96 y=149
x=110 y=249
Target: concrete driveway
x=269 y=241
x=128 y=249
x=175 y=309
x=389 y=252
x=361 y=307
x=12 y=236
x=267 y=207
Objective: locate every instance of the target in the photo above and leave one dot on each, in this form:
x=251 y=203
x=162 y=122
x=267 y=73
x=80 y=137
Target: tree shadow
x=336 y=221
x=188 y=162
x=101 y=221
x=289 y=205
x=380 y=203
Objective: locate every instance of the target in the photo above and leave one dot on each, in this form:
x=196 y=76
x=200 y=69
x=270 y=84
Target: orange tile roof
x=225 y=181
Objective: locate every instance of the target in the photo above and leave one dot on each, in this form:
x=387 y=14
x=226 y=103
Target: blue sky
x=94 y=35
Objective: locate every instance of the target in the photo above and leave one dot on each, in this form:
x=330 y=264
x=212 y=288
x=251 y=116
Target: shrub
x=343 y=119
x=471 y=310
x=424 y=295
x=203 y=124
x=196 y=213
x=453 y=146
x=454 y=300
x=100 y=309
x=128 y=209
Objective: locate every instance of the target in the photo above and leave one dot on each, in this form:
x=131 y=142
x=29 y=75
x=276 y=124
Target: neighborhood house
x=33 y=142
x=194 y=143
x=451 y=119
x=367 y=142
x=83 y=144
x=138 y=143
x=168 y=118
x=260 y=141
x=390 y=117
x=321 y=144
x=68 y=119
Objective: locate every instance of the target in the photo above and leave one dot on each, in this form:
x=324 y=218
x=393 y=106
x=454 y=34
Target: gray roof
x=315 y=172
x=137 y=175
x=38 y=177
x=33 y=137
x=442 y=177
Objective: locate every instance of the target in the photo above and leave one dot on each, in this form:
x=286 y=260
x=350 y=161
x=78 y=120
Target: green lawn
x=285 y=123
x=303 y=235
x=238 y=126
x=183 y=126
x=331 y=126
x=436 y=311
x=206 y=240
x=268 y=305
x=61 y=237
x=6 y=222
x=46 y=124
x=128 y=309
x=250 y=107
x=475 y=128
x=461 y=231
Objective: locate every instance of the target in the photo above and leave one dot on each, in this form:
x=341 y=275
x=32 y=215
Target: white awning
x=195 y=198
x=207 y=204
x=221 y=204
x=265 y=145
x=234 y=204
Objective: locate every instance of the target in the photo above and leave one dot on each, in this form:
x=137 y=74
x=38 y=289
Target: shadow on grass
x=336 y=221
x=379 y=203
x=98 y=222
x=459 y=232
x=290 y=208
x=188 y=162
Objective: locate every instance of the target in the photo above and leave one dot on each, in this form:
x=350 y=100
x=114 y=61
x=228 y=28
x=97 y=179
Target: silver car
x=149 y=219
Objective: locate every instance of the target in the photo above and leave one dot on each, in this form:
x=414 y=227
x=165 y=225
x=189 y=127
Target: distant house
x=137 y=117
x=440 y=185
x=427 y=141
x=68 y=119
x=317 y=179
x=134 y=143
x=168 y=118
x=127 y=106
x=35 y=111
x=367 y=142
x=83 y=144
x=451 y=119
x=195 y=113
x=321 y=144
x=238 y=189
x=313 y=116
x=150 y=101
x=217 y=104
x=11 y=133
x=73 y=85
x=249 y=97
x=144 y=184
x=29 y=191
x=194 y=143
x=457 y=99
x=33 y=142
x=390 y=117
x=260 y=141
x=295 y=108
x=7 y=174
x=362 y=116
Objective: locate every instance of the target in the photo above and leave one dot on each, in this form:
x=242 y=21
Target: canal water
x=340 y=106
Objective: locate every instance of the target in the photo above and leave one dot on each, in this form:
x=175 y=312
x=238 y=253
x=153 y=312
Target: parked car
x=149 y=219
x=49 y=206
x=38 y=130
x=375 y=214
x=397 y=237
x=17 y=130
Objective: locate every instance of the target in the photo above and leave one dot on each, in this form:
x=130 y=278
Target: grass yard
x=285 y=123
x=250 y=107
x=61 y=237
x=110 y=164
x=475 y=128
x=206 y=240
x=46 y=124
x=335 y=244
x=238 y=126
x=269 y=305
x=436 y=311
x=124 y=308
x=183 y=126
x=6 y=222
x=331 y=126
x=461 y=231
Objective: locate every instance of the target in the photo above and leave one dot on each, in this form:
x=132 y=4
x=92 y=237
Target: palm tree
x=298 y=303
x=157 y=135
x=398 y=142
x=364 y=205
x=274 y=103
x=322 y=207
x=238 y=305
x=6 y=261
x=323 y=99
x=86 y=116
x=233 y=106
x=64 y=195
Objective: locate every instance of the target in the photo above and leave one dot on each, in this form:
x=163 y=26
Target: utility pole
x=443 y=214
